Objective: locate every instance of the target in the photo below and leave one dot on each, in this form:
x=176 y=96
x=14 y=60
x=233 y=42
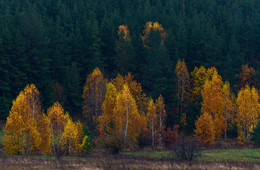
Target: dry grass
x=114 y=162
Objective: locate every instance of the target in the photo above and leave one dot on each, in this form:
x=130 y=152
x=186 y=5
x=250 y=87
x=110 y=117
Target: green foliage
x=256 y=134
x=90 y=136
x=40 y=39
x=87 y=145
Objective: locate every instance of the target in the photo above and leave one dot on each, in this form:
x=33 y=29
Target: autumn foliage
x=24 y=124
x=183 y=85
x=28 y=130
x=93 y=97
x=205 y=131
x=153 y=26
x=127 y=112
x=123 y=33
x=121 y=114
x=247 y=112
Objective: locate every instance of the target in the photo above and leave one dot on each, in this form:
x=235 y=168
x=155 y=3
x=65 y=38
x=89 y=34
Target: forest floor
x=210 y=159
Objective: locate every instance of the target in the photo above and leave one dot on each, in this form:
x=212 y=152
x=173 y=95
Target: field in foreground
x=211 y=159
x=22 y=163
x=214 y=155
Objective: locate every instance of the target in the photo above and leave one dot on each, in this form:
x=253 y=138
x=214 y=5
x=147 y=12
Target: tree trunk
x=226 y=123
x=126 y=125
x=160 y=136
x=152 y=131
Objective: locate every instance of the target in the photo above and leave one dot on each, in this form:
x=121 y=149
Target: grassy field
x=216 y=155
x=210 y=159
x=125 y=161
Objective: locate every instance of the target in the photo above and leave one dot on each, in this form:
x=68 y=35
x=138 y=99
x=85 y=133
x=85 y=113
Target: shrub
x=187 y=148
x=171 y=135
x=114 y=143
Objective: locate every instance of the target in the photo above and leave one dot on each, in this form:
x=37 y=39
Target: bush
x=187 y=148
x=114 y=143
x=144 y=140
x=171 y=136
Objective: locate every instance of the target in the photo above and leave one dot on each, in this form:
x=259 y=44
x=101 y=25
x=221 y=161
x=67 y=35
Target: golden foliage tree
x=24 y=131
x=14 y=137
x=128 y=121
x=247 y=112
x=45 y=133
x=160 y=107
x=31 y=115
x=183 y=85
x=228 y=106
x=106 y=118
x=69 y=138
x=205 y=129
x=152 y=120
x=66 y=136
x=150 y=26
x=198 y=79
x=135 y=90
x=213 y=102
x=58 y=119
x=93 y=97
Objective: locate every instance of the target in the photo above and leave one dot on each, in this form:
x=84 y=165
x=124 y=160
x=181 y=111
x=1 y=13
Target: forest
x=76 y=73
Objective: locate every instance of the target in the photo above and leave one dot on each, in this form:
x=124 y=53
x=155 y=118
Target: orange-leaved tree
x=150 y=26
x=247 y=112
x=213 y=102
x=183 y=85
x=123 y=33
x=205 y=129
x=93 y=97
x=45 y=132
x=14 y=137
x=24 y=130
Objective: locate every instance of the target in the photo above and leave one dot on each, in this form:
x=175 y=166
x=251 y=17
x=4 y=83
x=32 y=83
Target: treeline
x=56 y=44
x=121 y=115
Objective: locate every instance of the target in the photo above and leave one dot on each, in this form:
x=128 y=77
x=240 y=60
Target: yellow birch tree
x=247 y=112
x=93 y=97
x=213 y=102
x=152 y=120
x=161 y=112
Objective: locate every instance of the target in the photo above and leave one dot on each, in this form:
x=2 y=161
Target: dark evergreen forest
x=56 y=44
